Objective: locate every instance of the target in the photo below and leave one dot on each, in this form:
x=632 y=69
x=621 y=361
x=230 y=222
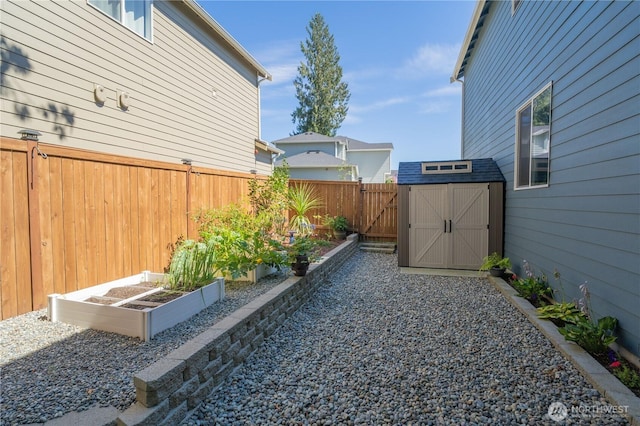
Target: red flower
x=615 y=364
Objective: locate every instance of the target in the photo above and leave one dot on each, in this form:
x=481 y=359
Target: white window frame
x=517 y=185
x=515 y=4
x=122 y=19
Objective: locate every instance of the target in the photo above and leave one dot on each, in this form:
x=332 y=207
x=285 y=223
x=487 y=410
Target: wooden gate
x=379 y=212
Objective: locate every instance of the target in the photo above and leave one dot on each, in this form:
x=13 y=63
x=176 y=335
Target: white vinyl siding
x=53 y=65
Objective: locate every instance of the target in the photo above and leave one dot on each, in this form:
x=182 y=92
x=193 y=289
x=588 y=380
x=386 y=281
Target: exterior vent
x=444 y=167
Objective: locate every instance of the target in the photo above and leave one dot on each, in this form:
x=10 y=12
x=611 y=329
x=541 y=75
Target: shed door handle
x=445 y=226
x=449 y=225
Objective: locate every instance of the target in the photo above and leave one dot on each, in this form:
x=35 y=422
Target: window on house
x=533 y=134
x=133 y=14
x=514 y=6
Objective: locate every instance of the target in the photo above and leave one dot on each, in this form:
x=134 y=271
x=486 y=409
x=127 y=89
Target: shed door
x=448 y=225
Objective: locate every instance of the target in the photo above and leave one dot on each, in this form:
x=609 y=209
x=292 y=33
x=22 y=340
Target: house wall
x=586 y=223
x=54 y=52
x=372 y=165
x=319 y=173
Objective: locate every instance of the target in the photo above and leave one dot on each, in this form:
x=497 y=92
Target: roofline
x=265 y=146
x=284 y=141
x=467 y=40
x=369 y=149
x=235 y=45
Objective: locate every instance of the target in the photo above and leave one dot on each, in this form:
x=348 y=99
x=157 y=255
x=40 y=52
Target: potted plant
x=495 y=264
x=338 y=225
x=301 y=252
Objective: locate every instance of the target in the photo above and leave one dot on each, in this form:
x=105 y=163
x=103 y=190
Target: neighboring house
x=314 y=156
x=157 y=80
x=551 y=92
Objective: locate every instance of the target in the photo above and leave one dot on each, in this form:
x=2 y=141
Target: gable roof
x=232 y=42
x=356 y=145
x=306 y=137
x=314 y=159
x=477 y=21
x=482 y=170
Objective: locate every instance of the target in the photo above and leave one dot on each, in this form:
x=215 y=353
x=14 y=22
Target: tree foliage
x=322 y=94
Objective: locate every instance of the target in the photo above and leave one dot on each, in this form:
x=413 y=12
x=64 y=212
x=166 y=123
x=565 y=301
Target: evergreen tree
x=322 y=95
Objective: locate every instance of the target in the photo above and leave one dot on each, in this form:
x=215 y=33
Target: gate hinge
x=487 y=226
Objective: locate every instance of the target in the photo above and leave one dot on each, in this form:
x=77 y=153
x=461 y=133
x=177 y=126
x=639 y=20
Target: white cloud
x=379 y=105
x=434 y=108
x=430 y=58
x=451 y=90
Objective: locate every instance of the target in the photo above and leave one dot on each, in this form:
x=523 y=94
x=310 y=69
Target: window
x=435 y=167
x=533 y=134
x=514 y=6
x=133 y=14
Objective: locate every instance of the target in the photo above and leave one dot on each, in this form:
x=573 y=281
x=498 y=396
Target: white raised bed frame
x=71 y=308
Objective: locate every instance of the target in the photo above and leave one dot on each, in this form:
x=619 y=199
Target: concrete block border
x=171 y=388
x=606 y=383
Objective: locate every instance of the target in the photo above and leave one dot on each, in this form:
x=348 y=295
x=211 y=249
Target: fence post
x=360 y=206
x=35 y=235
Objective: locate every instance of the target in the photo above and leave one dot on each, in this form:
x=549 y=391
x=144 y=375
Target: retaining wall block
x=210 y=370
x=139 y=415
x=156 y=382
x=180 y=396
x=176 y=415
x=231 y=352
x=220 y=347
x=223 y=372
x=199 y=395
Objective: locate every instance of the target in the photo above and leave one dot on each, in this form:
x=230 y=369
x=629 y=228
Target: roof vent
x=313 y=151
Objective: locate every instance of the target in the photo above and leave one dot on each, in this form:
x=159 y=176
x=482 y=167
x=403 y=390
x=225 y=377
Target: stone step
x=378 y=247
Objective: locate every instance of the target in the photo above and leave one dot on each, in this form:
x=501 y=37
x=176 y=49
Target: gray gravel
x=378 y=347
x=49 y=369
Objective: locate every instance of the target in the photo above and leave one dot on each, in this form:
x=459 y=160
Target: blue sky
x=397 y=58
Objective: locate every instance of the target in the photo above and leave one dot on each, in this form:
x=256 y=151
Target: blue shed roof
x=482 y=170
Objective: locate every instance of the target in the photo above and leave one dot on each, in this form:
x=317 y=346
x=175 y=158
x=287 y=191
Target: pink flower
x=615 y=364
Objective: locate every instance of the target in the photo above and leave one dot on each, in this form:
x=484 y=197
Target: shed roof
x=482 y=170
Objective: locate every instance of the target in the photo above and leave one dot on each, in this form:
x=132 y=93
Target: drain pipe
x=462 y=117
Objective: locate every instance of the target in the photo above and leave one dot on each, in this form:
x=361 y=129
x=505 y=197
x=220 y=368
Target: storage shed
x=450 y=213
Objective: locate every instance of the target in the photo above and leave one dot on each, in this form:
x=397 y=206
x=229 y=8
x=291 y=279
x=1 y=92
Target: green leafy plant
x=192 y=265
x=494 y=260
x=337 y=223
x=628 y=376
x=305 y=246
x=594 y=337
x=270 y=198
x=533 y=288
x=565 y=312
x=302 y=199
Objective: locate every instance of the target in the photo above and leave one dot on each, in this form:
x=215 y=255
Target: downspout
x=462 y=118
x=260 y=80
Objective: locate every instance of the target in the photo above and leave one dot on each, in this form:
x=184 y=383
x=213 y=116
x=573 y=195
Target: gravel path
x=49 y=369
x=378 y=347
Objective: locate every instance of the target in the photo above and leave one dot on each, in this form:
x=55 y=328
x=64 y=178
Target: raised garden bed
x=136 y=306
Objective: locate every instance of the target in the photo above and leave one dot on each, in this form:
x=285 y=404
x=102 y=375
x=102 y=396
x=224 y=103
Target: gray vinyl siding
x=50 y=67
x=317 y=174
x=372 y=165
x=586 y=224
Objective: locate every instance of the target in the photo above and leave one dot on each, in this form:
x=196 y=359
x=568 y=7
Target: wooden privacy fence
x=71 y=219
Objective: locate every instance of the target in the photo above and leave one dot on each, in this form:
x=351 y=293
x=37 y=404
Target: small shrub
x=594 y=337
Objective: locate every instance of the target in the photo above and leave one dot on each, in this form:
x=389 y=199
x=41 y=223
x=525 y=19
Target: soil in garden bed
x=116 y=294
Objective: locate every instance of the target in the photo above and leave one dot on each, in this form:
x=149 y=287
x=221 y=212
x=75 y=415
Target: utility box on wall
x=450 y=213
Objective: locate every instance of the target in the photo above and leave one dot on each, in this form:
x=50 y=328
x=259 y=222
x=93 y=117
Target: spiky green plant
x=302 y=199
